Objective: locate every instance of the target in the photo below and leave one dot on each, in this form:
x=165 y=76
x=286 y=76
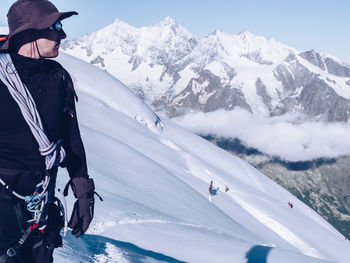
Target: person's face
x=49 y=40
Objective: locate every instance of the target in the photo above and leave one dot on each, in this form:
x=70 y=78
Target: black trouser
x=39 y=246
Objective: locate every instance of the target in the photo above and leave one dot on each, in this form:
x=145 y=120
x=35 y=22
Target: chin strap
x=37 y=49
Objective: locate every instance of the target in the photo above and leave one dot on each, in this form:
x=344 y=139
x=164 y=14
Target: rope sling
x=53 y=152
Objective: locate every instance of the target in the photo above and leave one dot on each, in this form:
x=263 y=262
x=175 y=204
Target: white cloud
x=286 y=136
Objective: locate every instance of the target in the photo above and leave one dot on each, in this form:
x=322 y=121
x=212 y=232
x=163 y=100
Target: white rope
x=53 y=152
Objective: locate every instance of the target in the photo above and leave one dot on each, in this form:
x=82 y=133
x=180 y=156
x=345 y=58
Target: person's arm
x=74 y=147
x=83 y=187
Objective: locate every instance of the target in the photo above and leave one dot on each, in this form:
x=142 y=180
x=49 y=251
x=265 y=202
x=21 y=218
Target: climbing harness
x=37 y=205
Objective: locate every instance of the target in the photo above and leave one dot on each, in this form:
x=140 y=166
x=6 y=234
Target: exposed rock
x=305 y=92
x=98 y=60
x=335 y=68
x=318 y=99
x=205 y=94
x=256 y=57
x=262 y=92
x=314 y=58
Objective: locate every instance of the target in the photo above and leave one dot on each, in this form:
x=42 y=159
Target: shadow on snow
x=258 y=254
x=97 y=246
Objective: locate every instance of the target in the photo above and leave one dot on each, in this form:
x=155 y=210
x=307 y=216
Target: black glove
x=83 y=211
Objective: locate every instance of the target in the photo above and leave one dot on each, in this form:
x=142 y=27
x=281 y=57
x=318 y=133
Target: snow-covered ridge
x=249 y=45
x=88 y=78
x=139 y=43
x=170 y=32
x=155 y=186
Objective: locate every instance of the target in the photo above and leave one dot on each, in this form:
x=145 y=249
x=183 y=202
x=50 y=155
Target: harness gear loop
x=37 y=204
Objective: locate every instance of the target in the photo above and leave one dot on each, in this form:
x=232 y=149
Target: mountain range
x=176 y=72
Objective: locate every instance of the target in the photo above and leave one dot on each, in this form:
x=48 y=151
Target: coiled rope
x=53 y=152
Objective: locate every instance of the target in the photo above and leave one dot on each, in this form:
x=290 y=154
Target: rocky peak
x=314 y=58
x=168 y=22
x=246 y=34
x=170 y=27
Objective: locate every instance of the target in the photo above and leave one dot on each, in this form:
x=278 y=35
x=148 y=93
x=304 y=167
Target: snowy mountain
x=154 y=177
x=177 y=73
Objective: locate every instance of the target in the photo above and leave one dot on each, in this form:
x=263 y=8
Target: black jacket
x=52 y=90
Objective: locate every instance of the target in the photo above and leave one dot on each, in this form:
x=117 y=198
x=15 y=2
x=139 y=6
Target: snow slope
x=154 y=177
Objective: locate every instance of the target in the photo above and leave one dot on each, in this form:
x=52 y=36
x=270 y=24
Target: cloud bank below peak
x=286 y=137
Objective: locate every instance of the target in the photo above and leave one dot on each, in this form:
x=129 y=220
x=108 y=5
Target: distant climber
x=226 y=188
x=211 y=188
x=290 y=204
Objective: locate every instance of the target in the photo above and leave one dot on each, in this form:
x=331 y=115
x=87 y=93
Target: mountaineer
x=38 y=133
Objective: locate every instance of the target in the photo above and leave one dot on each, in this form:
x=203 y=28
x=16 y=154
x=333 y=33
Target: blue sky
x=322 y=25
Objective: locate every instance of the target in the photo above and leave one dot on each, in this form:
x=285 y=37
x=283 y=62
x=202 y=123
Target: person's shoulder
x=54 y=65
x=58 y=70
x=62 y=75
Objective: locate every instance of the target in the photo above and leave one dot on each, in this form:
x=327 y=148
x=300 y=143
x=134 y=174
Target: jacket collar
x=23 y=63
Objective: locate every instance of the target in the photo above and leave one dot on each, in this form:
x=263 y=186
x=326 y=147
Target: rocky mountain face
x=314 y=95
x=323 y=184
x=176 y=72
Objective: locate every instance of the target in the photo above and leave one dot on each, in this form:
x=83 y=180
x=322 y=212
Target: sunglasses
x=57 y=26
